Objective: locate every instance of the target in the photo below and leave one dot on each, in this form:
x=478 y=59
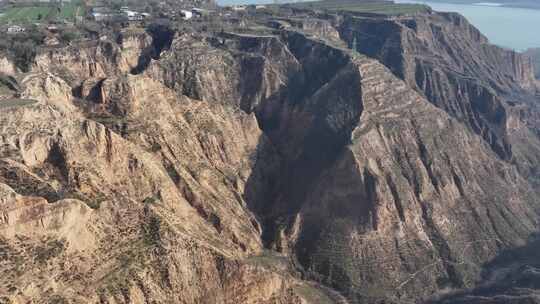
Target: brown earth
x=197 y=167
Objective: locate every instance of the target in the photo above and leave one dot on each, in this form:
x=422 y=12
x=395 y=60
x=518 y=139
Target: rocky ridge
x=164 y=167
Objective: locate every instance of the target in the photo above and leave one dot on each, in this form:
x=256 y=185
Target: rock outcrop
x=115 y=55
x=448 y=60
x=335 y=143
x=7 y=66
x=168 y=221
x=197 y=167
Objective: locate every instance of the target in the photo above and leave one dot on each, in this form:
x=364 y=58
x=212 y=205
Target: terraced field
x=26 y=14
x=41 y=13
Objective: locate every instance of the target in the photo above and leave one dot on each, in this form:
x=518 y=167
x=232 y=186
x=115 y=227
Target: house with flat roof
x=186 y=15
x=135 y=16
x=15 y=29
x=239 y=7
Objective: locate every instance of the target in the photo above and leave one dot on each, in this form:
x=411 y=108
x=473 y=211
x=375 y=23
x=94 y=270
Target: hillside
x=303 y=155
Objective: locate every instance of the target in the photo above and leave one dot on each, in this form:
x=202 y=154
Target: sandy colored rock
x=277 y=167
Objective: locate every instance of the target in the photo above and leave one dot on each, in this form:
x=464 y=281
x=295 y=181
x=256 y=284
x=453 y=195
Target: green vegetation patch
x=70 y=11
x=16 y=102
x=356 y=7
x=43 y=13
x=26 y=14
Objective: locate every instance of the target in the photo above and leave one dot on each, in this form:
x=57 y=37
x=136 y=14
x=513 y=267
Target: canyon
x=310 y=157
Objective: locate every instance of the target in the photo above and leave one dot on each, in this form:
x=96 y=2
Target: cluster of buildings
x=194 y=13
x=104 y=12
x=14 y=29
x=124 y=14
x=241 y=8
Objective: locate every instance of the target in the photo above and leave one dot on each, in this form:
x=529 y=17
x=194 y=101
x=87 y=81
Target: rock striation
x=288 y=166
x=452 y=64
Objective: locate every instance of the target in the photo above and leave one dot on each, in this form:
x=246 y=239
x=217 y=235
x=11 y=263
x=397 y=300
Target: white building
x=239 y=8
x=15 y=29
x=135 y=16
x=199 y=12
x=186 y=15
x=100 y=16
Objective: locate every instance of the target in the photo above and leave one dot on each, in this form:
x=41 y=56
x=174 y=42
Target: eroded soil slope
x=276 y=167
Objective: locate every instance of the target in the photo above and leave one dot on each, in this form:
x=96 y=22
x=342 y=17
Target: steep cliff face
x=435 y=39
x=376 y=192
x=422 y=214
x=240 y=70
x=166 y=221
x=534 y=54
x=452 y=64
x=222 y=167
x=113 y=55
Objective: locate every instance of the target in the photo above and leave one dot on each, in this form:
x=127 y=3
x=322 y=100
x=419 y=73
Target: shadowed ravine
x=273 y=165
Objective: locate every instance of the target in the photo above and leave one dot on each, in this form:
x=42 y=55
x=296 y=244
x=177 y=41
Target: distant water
x=513 y=28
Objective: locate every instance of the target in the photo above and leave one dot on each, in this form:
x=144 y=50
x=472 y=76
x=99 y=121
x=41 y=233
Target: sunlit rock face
x=197 y=167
